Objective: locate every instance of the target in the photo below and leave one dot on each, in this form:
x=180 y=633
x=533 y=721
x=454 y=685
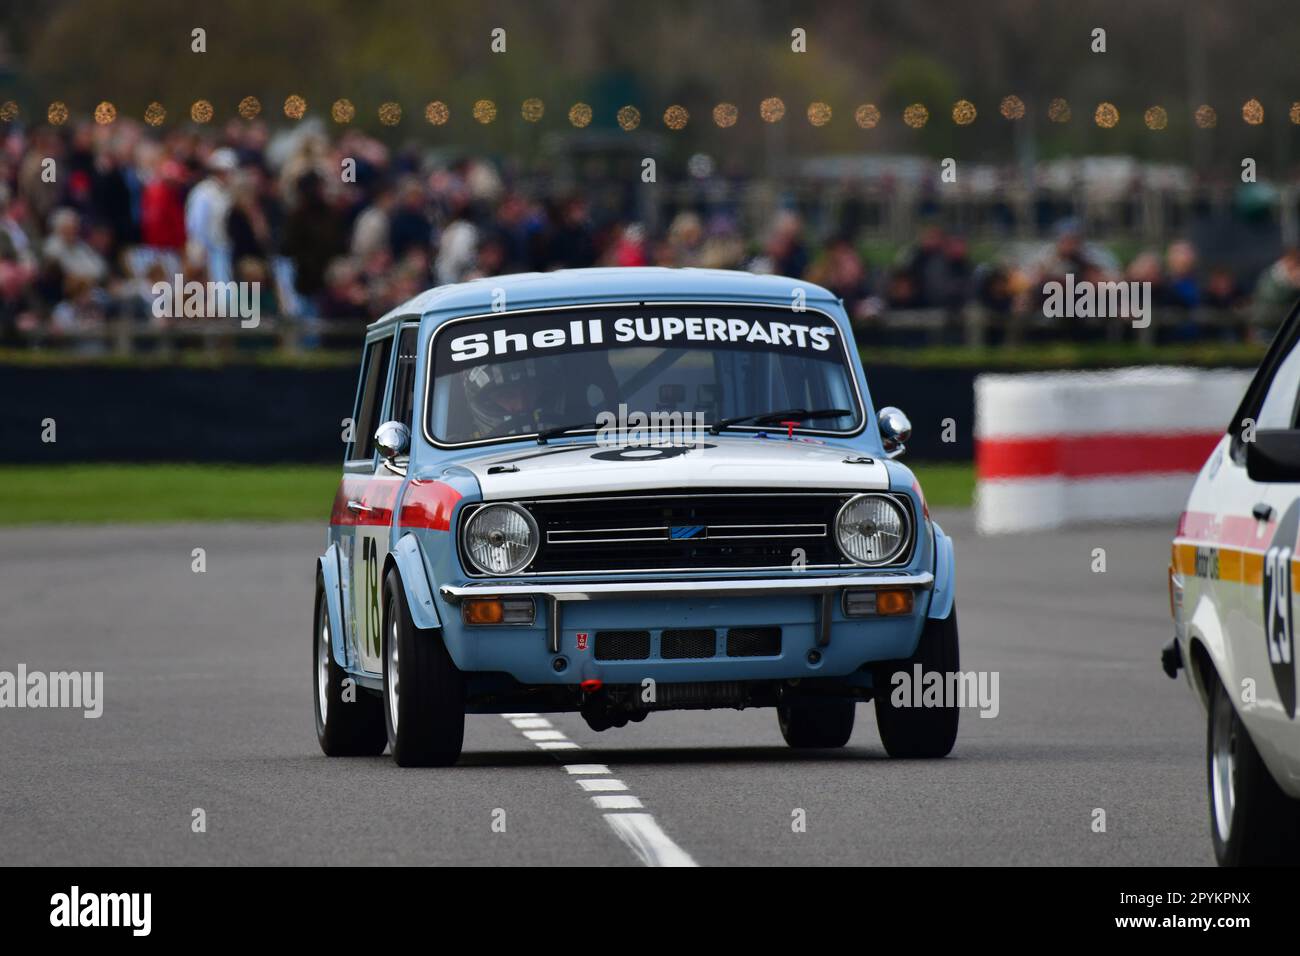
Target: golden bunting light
x=1206 y=116
x=867 y=115
x=484 y=111
x=580 y=115
x=1156 y=118
x=343 y=111
x=1058 y=111
x=629 y=118
x=725 y=114
x=1253 y=112
x=1106 y=116
x=57 y=114
x=963 y=112
x=1294 y=114
x=295 y=107
x=8 y=111
x=105 y=113
x=249 y=107
x=532 y=109
x=916 y=115
x=819 y=114
x=201 y=111
x=772 y=109
x=676 y=117
x=155 y=114
x=1012 y=107
x=390 y=113
x=437 y=113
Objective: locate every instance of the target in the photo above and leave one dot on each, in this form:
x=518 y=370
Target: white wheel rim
x=323 y=666
x=1223 y=764
x=391 y=663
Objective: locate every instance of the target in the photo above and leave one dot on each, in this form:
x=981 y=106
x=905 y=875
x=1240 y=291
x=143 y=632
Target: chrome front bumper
x=557 y=593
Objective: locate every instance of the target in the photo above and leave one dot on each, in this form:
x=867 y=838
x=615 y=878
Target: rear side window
x=370 y=403
x=404 y=379
x=1279 y=407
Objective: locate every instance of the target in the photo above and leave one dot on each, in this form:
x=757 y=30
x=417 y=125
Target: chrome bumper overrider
x=557 y=593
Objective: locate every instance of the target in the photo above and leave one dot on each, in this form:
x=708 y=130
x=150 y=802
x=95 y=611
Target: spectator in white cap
x=206 y=208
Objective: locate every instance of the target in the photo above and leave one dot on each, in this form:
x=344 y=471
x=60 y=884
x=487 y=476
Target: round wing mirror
x=392 y=439
x=895 y=430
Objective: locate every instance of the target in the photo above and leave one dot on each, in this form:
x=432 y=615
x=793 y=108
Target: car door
x=359 y=530
x=1262 y=635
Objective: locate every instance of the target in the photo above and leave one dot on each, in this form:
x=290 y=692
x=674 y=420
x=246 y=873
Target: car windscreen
x=515 y=375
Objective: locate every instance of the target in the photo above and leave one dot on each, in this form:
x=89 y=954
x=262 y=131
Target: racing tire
x=920 y=732
x=424 y=691
x=816 y=722
x=349 y=722
x=1252 y=820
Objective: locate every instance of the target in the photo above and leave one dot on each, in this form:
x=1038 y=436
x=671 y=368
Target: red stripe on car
x=426 y=504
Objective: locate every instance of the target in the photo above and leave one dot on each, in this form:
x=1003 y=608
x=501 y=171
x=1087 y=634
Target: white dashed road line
x=643 y=835
x=639 y=831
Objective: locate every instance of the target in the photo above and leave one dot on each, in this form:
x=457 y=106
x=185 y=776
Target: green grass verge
x=947 y=484
x=133 y=494
x=137 y=494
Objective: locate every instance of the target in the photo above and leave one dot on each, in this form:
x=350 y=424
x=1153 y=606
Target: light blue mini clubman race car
x=616 y=491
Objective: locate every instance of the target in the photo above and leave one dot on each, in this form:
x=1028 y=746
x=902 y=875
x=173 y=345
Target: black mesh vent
x=705 y=530
x=687 y=642
x=754 y=642
x=622 y=645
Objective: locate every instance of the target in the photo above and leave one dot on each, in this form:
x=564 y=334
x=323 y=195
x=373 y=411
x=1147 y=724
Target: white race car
x=1235 y=569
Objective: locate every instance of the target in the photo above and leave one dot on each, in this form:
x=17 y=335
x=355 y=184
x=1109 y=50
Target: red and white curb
x=1061 y=448
x=623 y=811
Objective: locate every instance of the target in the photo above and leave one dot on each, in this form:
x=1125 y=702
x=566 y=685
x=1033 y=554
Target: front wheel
x=1252 y=821
x=816 y=722
x=349 y=719
x=424 y=690
x=907 y=730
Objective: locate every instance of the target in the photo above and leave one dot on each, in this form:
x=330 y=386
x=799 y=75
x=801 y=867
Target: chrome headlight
x=871 y=529
x=500 y=539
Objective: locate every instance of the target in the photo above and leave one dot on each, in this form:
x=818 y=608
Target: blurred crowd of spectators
x=84 y=238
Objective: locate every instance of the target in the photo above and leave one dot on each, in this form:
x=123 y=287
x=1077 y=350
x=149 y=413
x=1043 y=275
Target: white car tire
x=1252 y=821
x=424 y=691
x=349 y=718
x=921 y=732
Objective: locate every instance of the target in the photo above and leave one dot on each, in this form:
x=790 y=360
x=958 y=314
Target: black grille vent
x=622 y=645
x=754 y=642
x=687 y=643
x=700 y=530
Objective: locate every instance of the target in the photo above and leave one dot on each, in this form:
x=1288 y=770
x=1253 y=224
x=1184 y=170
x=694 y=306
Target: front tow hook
x=1171 y=658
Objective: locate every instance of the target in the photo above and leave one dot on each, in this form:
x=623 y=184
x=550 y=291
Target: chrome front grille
x=687 y=532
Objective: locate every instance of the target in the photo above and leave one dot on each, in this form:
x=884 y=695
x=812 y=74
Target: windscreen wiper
x=559 y=430
x=788 y=414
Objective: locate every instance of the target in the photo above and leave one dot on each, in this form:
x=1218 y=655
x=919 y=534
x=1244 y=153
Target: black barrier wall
x=258 y=414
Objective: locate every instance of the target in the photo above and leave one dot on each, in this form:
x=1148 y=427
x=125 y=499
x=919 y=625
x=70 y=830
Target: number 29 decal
x=1279 y=618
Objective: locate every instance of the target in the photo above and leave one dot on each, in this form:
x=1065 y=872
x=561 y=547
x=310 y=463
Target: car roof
x=619 y=284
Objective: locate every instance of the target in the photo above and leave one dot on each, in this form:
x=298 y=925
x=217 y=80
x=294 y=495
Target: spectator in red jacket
x=162 y=208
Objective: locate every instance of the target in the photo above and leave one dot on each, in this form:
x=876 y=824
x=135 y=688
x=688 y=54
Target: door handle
x=1262 y=511
x=356 y=506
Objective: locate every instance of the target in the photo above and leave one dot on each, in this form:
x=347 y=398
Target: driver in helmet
x=503 y=399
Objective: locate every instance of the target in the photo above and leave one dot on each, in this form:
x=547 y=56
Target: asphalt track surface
x=208 y=705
